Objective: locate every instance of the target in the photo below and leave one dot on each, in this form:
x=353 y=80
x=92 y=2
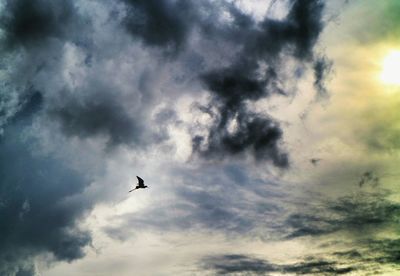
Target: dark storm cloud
x=100 y=111
x=87 y=92
x=253 y=74
x=40 y=202
x=98 y=116
x=256 y=133
x=245 y=265
x=235 y=85
x=28 y=102
x=29 y=271
x=39 y=214
x=95 y=110
x=33 y=36
x=159 y=23
x=28 y=22
x=169 y=25
x=30 y=105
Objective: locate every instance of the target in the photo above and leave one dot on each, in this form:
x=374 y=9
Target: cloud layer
x=39 y=200
x=128 y=75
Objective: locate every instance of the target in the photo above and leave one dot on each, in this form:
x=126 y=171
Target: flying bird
x=140 y=184
x=315 y=161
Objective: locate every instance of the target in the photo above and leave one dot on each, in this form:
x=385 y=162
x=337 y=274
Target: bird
x=315 y=161
x=140 y=184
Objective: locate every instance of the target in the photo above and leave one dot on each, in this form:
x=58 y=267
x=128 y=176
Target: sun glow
x=391 y=68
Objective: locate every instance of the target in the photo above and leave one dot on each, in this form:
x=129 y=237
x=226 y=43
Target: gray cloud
x=367 y=210
x=230 y=201
x=41 y=199
x=363 y=223
x=159 y=23
x=262 y=44
x=322 y=68
x=38 y=211
x=27 y=23
x=71 y=67
x=259 y=134
x=351 y=225
x=369 y=177
x=100 y=115
x=248 y=265
x=354 y=222
x=169 y=24
x=228 y=264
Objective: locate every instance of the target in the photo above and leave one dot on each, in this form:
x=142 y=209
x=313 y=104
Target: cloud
x=38 y=203
x=245 y=265
x=227 y=264
x=253 y=207
x=369 y=177
x=384 y=251
x=254 y=132
x=357 y=232
x=71 y=70
x=349 y=213
x=32 y=36
x=267 y=43
x=159 y=23
x=232 y=201
x=101 y=115
x=253 y=74
x=322 y=68
x=27 y=23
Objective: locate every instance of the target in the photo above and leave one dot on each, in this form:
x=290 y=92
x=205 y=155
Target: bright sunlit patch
x=391 y=68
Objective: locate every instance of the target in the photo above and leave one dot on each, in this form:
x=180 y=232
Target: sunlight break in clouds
x=391 y=68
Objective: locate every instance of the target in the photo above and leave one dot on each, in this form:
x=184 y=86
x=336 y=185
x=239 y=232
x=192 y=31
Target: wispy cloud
x=248 y=265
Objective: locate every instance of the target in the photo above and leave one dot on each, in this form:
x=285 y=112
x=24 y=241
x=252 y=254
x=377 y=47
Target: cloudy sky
x=267 y=131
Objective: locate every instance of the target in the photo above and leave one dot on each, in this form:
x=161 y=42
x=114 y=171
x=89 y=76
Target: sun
x=391 y=69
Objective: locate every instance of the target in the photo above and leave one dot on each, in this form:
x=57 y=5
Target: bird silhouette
x=140 y=184
x=315 y=161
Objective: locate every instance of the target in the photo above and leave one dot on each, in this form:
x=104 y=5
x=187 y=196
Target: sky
x=267 y=132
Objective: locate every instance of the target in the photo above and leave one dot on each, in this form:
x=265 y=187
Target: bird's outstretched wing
x=140 y=181
x=132 y=190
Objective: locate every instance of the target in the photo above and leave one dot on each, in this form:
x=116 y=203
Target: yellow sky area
x=358 y=129
x=390 y=74
x=366 y=63
x=359 y=95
